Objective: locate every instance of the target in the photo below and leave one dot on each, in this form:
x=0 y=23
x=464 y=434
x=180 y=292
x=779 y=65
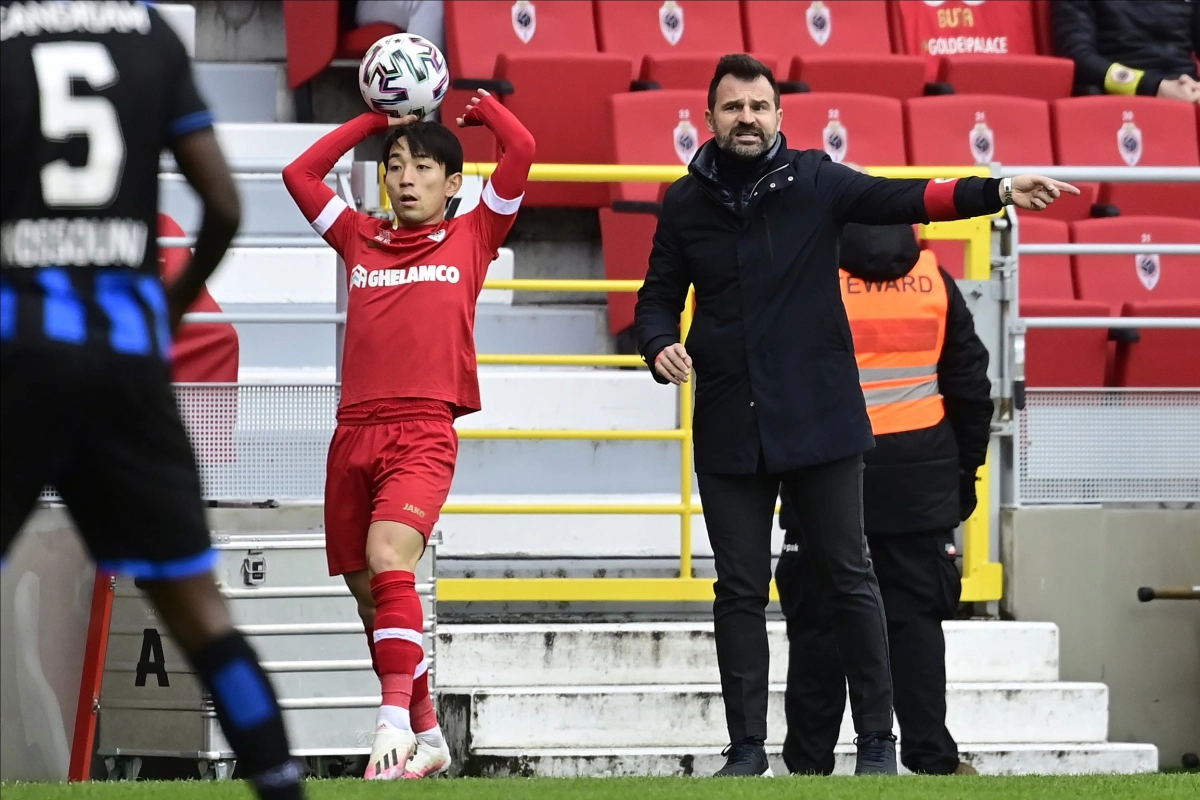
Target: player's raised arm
x=305 y=177
x=516 y=143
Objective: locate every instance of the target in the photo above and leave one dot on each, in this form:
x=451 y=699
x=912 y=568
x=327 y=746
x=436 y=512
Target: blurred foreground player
x=91 y=95
x=408 y=371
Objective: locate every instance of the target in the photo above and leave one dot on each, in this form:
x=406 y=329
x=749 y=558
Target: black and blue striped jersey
x=92 y=93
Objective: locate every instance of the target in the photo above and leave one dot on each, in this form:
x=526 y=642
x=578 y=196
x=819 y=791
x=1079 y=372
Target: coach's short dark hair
x=428 y=140
x=744 y=68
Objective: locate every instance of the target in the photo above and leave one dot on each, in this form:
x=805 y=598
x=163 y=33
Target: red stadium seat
x=860 y=128
x=1073 y=357
x=314 y=36
x=688 y=70
x=836 y=46
x=641 y=30
x=1162 y=356
x=1120 y=279
x=1039 y=77
x=561 y=84
x=891 y=76
x=1134 y=131
x=648 y=128
x=1044 y=277
x=1065 y=358
x=953 y=28
x=954 y=130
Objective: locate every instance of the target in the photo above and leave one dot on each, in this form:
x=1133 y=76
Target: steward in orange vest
x=923 y=371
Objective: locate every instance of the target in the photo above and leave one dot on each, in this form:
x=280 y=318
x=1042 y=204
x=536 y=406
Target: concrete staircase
x=645 y=699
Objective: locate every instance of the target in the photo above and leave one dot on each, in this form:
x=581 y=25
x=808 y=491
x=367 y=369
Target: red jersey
x=410 y=321
x=936 y=28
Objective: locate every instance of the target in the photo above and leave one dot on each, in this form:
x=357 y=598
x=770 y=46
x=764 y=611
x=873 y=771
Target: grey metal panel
x=305 y=627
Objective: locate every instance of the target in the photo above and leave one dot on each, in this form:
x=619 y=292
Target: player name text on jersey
x=33 y=19
x=76 y=242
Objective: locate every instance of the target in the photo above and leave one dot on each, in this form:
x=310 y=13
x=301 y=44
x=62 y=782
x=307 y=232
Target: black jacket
x=911 y=480
x=776 y=380
x=1156 y=36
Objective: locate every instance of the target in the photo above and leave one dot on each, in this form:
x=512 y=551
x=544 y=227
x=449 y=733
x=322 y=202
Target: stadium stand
x=663 y=127
x=546 y=66
x=1131 y=131
x=671 y=46
x=833 y=47
x=1077 y=357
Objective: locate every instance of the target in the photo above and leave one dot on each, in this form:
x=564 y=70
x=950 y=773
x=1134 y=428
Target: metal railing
x=982 y=578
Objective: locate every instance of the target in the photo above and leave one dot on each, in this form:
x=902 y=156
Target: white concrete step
x=476 y=656
x=690 y=716
x=1062 y=758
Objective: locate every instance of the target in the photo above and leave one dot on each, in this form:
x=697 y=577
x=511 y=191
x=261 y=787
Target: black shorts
x=103 y=430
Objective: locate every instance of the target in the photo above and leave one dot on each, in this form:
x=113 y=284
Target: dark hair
x=428 y=140
x=744 y=68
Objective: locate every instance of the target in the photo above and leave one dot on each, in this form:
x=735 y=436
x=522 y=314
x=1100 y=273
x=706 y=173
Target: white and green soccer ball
x=403 y=74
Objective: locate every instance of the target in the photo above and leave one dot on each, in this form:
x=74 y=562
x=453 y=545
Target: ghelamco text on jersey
x=360 y=277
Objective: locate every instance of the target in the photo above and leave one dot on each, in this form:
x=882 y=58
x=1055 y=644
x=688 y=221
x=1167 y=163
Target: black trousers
x=738 y=510
x=921 y=587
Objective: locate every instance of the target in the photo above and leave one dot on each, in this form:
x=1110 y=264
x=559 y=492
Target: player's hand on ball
x=1035 y=193
x=674 y=364
x=468 y=118
x=397 y=121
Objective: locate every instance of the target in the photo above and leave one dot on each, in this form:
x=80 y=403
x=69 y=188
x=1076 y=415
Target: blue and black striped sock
x=250 y=717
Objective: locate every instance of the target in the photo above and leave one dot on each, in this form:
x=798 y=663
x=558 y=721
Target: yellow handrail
x=982 y=579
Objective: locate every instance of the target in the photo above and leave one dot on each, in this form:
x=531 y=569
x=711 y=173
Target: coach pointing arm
x=846 y=196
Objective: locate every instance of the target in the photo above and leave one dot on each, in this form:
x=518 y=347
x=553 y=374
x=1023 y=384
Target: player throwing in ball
x=408 y=371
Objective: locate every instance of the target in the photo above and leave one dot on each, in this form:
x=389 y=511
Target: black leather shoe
x=745 y=759
x=876 y=754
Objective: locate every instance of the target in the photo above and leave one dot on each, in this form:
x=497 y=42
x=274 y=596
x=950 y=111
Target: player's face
x=745 y=119
x=418 y=187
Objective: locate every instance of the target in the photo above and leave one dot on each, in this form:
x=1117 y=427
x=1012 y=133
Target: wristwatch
x=1006 y=191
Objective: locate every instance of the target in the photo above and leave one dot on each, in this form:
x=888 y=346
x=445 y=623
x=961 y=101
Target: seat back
x=665 y=127
x=954 y=27
x=1070 y=357
x=1044 y=277
x=956 y=130
x=1120 y=279
x=637 y=28
x=834 y=27
x=858 y=128
x=479 y=30
x=1162 y=356
x=310 y=28
x=1131 y=131
x=1118 y=131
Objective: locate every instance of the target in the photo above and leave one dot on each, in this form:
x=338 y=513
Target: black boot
x=746 y=758
x=876 y=754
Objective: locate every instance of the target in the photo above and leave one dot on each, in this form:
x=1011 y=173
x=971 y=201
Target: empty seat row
x=1147 y=284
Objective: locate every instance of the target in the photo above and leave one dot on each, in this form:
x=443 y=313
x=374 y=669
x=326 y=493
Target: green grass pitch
x=1142 y=787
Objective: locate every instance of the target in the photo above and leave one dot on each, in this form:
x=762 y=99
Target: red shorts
x=395 y=471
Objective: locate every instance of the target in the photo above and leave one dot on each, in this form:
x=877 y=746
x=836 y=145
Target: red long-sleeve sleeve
x=305 y=177
x=502 y=195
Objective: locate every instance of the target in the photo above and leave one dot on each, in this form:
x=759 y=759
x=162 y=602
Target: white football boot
x=430 y=759
x=390 y=753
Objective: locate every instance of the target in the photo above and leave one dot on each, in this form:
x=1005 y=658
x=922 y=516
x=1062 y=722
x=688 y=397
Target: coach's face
x=418 y=186
x=745 y=119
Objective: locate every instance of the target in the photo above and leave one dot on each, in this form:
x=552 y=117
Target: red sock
x=398 y=636
x=371 y=647
x=424 y=717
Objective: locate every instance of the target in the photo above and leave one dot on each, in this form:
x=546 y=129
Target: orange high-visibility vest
x=898 y=329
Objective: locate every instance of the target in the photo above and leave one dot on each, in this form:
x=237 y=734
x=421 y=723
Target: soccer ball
x=403 y=74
